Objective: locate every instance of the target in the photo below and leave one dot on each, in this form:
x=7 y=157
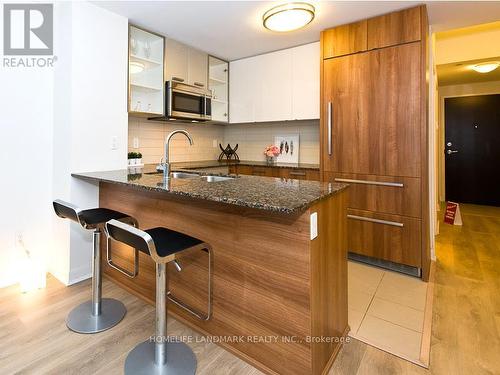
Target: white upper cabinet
x=145 y=81
x=218 y=83
x=274 y=73
x=176 y=61
x=305 y=81
x=185 y=64
x=242 y=90
x=276 y=86
x=197 y=68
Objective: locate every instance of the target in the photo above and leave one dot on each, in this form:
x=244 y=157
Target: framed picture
x=289 y=148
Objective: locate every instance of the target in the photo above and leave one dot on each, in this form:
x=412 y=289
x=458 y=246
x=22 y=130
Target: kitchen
x=300 y=161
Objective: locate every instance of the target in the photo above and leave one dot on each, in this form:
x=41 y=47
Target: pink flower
x=272 y=151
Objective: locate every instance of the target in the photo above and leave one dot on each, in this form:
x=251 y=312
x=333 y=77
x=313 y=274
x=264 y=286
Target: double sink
x=188 y=175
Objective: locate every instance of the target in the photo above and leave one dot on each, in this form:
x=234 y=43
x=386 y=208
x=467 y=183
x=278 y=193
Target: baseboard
x=427 y=327
x=79 y=274
x=335 y=353
x=61 y=278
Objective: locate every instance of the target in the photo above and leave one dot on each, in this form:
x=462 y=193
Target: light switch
x=314 y=225
x=136 y=142
x=114 y=142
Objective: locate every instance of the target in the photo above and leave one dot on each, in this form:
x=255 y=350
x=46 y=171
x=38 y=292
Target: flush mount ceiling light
x=486 y=67
x=288 y=17
x=136 y=67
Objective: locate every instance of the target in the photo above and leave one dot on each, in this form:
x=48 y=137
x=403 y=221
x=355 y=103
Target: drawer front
x=312 y=175
x=387 y=194
x=262 y=171
x=389 y=237
x=244 y=169
x=299 y=174
x=295 y=173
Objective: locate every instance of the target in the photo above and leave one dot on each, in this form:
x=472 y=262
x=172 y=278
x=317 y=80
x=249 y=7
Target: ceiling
x=461 y=73
x=233 y=29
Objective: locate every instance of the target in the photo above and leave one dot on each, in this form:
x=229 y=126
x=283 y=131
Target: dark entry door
x=472 y=149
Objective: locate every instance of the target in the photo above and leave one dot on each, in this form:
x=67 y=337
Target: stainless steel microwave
x=183 y=101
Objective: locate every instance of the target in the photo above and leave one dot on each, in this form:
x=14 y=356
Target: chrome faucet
x=165 y=162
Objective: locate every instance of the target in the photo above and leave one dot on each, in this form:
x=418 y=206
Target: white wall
x=58 y=121
x=25 y=156
x=90 y=106
x=477 y=43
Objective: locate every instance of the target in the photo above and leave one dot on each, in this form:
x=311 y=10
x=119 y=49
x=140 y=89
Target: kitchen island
x=279 y=288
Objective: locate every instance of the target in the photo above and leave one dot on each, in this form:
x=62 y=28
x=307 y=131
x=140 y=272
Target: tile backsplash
x=252 y=138
x=151 y=136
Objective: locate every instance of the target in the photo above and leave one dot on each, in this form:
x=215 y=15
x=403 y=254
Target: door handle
x=329 y=128
x=449 y=152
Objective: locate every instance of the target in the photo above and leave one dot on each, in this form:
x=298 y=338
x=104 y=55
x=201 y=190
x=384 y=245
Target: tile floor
x=386 y=310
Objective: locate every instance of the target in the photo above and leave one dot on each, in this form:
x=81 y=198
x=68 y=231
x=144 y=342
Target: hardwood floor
x=465 y=333
x=34 y=338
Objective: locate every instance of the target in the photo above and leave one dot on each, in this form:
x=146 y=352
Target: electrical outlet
x=214 y=143
x=314 y=225
x=136 y=142
x=114 y=142
x=18 y=240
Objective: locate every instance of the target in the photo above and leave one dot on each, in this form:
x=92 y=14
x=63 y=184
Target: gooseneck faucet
x=165 y=165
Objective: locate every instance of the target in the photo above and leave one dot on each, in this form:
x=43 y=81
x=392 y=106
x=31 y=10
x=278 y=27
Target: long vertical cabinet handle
x=329 y=128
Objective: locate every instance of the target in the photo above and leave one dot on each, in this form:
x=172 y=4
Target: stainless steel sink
x=177 y=174
x=216 y=178
x=183 y=175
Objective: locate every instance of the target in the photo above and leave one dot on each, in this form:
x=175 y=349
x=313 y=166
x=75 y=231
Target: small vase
x=270 y=159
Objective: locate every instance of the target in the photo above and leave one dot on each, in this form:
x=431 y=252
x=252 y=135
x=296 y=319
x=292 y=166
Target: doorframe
x=456 y=91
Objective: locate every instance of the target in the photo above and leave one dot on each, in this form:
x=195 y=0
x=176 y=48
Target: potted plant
x=138 y=158
x=271 y=152
x=132 y=156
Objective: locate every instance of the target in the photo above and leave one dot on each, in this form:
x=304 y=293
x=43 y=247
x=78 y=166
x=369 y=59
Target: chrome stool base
x=81 y=320
x=180 y=360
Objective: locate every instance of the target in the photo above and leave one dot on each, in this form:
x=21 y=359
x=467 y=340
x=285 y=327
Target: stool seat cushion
x=96 y=216
x=169 y=242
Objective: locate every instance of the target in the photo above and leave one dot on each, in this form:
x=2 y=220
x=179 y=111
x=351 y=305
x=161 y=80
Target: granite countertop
x=266 y=193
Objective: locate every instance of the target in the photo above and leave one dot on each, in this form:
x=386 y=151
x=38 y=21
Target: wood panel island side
x=279 y=297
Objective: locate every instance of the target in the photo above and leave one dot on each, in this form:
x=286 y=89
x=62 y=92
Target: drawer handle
x=178 y=79
x=297 y=173
x=378 y=221
x=366 y=182
x=199 y=84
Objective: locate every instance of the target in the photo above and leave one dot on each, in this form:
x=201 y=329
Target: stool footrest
x=188 y=308
x=109 y=257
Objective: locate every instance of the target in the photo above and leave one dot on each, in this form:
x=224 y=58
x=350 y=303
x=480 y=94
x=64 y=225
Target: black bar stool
x=98 y=314
x=162 y=244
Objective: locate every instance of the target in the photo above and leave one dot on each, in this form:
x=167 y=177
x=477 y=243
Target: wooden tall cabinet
x=374 y=133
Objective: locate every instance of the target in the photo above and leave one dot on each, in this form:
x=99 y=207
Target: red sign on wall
x=452 y=214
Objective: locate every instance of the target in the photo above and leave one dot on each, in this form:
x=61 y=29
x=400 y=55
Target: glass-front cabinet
x=145 y=72
x=218 y=78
